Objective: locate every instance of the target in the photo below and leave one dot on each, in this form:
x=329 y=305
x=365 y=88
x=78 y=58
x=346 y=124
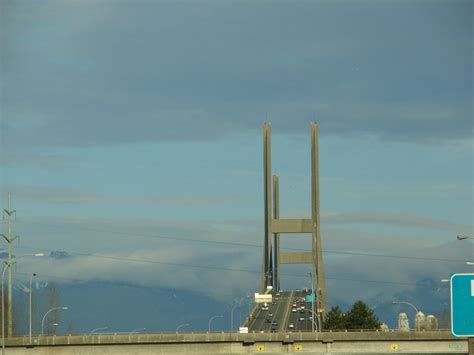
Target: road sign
x=462 y=305
x=310 y=298
x=263 y=298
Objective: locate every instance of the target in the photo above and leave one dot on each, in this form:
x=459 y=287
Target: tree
x=335 y=319
x=361 y=316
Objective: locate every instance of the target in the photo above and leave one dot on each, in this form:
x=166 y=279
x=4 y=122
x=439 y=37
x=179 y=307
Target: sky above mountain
x=131 y=139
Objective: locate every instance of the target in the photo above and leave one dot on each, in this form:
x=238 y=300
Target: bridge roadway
x=336 y=343
x=287 y=313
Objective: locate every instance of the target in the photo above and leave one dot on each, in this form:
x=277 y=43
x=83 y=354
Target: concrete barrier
x=432 y=342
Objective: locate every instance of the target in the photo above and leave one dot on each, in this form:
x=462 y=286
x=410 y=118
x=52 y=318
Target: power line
x=139 y=260
x=244 y=244
x=148 y=261
x=146 y=235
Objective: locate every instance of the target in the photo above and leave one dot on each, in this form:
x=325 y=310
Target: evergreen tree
x=361 y=316
x=335 y=319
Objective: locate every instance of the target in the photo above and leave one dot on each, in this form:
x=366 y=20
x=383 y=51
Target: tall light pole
x=44 y=317
x=31 y=293
x=238 y=304
x=181 y=326
x=210 y=321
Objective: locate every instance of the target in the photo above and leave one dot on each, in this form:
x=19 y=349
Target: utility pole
x=9 y=239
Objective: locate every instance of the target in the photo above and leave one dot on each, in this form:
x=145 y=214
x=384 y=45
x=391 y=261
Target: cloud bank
x=88 y=73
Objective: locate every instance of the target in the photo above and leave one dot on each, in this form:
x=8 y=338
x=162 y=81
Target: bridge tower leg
x=318 y=267
x=274 y=225
x=267 y=251
x=276 y=236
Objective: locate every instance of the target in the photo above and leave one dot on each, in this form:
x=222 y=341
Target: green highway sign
x=462 y=305
x=310 y=298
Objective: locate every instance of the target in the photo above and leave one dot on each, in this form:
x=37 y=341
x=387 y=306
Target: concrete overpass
x=433 y=342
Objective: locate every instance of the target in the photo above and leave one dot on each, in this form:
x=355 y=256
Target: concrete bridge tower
x=275 y=226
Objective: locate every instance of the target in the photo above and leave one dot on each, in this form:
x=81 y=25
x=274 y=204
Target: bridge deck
x=288 y=312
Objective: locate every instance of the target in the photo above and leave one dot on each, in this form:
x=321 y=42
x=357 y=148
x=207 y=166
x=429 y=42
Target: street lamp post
x=8 y=264
x=314 y=316
x=31 y=294
x=210 y=321
x=238 y=304
x=463 y=237
x=96 y=329
x=408 y=303
x=181 y=326
x=51 y=325
x=250 y=301
x=44 y=317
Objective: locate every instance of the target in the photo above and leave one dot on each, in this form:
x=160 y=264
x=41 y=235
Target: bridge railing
x=173 y=337
x=252 y=315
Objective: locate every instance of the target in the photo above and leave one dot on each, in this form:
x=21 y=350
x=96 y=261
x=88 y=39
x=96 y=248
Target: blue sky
x=145 y=117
